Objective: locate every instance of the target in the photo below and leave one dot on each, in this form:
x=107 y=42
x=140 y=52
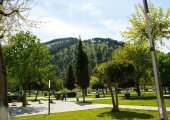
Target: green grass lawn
x=141 y=101
x=31 y=98
x=122 y=94
x=97 y=114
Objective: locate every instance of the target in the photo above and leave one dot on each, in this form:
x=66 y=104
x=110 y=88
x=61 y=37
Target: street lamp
x=161 y=106
x=49 y=97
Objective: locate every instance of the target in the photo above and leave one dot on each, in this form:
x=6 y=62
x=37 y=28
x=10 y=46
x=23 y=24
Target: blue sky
x=88 y=18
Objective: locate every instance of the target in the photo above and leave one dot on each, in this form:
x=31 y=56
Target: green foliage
x=45 y=93
x=71 y=94
x=160 y=23
x=63 y=51
x=97 y=85
x=82 y=70
x=112 y=73
x=115 y=71
x=27 y=60
x=138 y=53
x=164 y=67
x=70 y=80
x=57 y=95
x=82 y=73
x=15 y=97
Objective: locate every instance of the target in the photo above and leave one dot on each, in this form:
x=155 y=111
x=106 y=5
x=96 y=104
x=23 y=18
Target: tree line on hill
x=63 y=51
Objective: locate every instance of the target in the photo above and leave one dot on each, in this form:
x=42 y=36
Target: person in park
x=64 y=94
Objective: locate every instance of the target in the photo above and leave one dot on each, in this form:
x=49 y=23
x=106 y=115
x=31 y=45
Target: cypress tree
x=70 y=80
x=82 y=72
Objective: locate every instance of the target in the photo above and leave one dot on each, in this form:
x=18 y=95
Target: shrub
x=45 y=93
x=14 y=97
x=71 y=94
x=57 y=95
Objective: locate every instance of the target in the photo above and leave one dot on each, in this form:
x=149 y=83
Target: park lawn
x=96 y=114
x=31 y=98
x=139 y=102
x=121 y=95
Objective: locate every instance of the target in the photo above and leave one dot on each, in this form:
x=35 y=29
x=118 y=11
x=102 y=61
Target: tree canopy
x=139 y=54
x=113 y=72
x=27 y=59
x=160 y=23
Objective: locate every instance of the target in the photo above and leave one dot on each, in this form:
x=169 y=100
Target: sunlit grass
x=96 y=114
x=140 y=101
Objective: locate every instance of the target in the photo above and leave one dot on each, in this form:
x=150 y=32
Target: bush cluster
x=71 y=94
x=14 y=97
x=57 y=95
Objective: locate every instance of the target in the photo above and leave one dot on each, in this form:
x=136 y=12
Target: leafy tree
x=82 y=72
x=127 y=84
x=13 y=16
x=113 y=72
x=27 y=60
x=139 y=54
x=159 y=24
x=97 y=86
x=70 y=80
x=164 y=65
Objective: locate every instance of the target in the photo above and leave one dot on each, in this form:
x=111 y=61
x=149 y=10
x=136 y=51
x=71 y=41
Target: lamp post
x=161 y=106
x=49 y=97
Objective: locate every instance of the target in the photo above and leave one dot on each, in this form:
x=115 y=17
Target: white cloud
x=91 y=9
x=115 y=25
x=55 y=28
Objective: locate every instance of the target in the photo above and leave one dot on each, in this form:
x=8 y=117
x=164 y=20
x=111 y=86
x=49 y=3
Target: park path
x=63 y=106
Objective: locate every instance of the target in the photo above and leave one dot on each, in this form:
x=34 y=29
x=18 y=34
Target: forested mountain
x=63 y=51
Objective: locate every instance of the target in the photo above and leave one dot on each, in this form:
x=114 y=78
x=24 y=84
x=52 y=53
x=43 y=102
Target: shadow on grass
x=122 y=115
x=13 y=111
x=83 y=103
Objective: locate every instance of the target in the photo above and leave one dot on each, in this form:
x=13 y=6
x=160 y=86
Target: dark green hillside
x=97 y=49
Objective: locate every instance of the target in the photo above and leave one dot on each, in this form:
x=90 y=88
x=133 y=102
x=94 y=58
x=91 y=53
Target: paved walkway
x=63 y=106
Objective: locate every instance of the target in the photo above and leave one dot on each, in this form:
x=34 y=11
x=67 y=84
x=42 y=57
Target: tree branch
x=8 y=14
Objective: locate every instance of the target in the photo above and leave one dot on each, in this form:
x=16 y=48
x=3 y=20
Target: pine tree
x=82 y=72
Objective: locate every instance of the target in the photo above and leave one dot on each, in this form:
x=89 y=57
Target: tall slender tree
x=70 y=80
x=82 y=71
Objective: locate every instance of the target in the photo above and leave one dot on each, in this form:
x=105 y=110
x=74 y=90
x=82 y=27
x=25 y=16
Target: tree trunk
x=117 y=103
x=3 y=81
x=169 y=89
x=29 y=90
x=106 y=90
x=36 y=96
x=83 y=93
x=24 y=100
x=164 y=89
x=112 y=96
x=103 y=93
x=138 y=89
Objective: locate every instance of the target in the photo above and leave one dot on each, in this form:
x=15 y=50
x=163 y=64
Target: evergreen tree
x=70 y=80
x=82 y=73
